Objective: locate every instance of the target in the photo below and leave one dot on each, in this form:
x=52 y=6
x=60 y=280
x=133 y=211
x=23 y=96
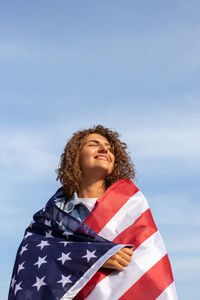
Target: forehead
x=97 y=137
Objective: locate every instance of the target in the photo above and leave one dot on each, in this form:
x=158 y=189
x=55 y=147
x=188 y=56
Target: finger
x=122 y=261
x=113 y=264
x=125 y=256
x=118 y=267
x=128 y=251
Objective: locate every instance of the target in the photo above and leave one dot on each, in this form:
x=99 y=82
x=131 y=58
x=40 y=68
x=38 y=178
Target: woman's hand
x=119 y=260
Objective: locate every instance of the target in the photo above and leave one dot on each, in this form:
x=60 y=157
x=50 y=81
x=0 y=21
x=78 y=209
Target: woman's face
x=96 y=157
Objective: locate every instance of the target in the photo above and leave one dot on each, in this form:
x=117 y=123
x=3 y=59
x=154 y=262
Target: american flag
x=60 y=257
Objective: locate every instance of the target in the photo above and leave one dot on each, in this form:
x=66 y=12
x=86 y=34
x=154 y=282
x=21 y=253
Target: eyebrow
x=97 y=142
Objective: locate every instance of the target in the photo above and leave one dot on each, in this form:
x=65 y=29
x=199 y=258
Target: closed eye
x=96 y=143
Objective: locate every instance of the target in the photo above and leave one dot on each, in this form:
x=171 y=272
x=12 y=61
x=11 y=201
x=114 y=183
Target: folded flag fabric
x=128 y=219
x=60 y=258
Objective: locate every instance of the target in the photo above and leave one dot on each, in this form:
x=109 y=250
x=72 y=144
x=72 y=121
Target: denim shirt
x=74 y=207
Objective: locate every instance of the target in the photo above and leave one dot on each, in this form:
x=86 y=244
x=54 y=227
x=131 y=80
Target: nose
x=103 y=148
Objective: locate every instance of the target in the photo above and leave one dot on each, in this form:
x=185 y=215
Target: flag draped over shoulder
x=60 y=257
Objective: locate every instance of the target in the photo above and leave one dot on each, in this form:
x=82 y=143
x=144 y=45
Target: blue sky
x=131 y=66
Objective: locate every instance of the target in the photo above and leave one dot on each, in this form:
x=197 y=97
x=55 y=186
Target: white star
x=65 y=243
x=20 y=267
x=13 y=282
x=17 y=288
x=47 y=222
x=27 y=235
x=39 y=282
x=64 y=280
x=43 y=244
x=64 y=257
x=48 y=234
x=90 y=255
x=60 y=223
x=67 y=233
x=41 y=260
x=24 y=248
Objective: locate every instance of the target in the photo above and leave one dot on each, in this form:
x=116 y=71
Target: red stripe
x=109 y=204
x=152 y=283
x=98 y=276
x=136 y=234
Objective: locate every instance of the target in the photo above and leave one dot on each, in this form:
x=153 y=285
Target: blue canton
x=58 y=256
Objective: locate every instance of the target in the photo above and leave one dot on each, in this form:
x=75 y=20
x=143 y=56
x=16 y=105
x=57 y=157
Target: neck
x=91 y=189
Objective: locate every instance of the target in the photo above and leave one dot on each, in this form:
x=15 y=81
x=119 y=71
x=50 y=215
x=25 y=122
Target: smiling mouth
x=101 y=157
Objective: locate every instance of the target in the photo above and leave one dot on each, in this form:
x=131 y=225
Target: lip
x=103 y=157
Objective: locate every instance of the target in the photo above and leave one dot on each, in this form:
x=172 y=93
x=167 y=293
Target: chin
x=104 y=170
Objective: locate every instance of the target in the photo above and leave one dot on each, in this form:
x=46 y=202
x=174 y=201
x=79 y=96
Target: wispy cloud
x=25 y=155
x=175 y=209
x=166 y=142
x=36 y=151
x=188 y=244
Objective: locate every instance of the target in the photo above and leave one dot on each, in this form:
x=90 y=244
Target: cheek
x=113 y=162
x=113 y=159
x=81 y=159
x=84 y=157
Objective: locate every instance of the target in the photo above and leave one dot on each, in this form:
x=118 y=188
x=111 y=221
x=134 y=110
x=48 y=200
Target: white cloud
x=169 y=142
x=175 y=209
x=25 y=155
x=14 y=220
x=188 y=244
x=30 y=153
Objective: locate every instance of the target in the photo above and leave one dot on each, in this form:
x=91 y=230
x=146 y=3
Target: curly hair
x=69 y=170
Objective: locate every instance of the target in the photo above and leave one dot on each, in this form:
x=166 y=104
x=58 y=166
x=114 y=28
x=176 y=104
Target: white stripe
x=169 y=293
x=117 y=283
x=125 y=217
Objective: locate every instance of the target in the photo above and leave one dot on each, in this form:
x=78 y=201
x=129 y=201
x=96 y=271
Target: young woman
x=95 y=238
x=93 y=160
